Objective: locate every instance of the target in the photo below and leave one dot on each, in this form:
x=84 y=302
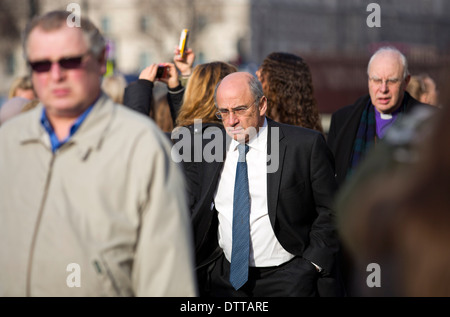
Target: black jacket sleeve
x=175 y=99
x=139 y=96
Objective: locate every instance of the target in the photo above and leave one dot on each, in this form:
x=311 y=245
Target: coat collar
x=89 y=136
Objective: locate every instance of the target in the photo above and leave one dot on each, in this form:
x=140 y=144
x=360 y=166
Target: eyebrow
x=233 y=107
x=376 y=77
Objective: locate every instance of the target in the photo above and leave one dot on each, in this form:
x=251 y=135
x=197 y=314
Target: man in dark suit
x=355 y=128
x=290 y=183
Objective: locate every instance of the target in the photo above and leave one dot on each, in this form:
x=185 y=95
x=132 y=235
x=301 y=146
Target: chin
x=61 y=106
x=64 y=108
x=241 y=138
x=385 y=108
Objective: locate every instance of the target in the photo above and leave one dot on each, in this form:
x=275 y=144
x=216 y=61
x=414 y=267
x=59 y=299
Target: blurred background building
x=331 y=35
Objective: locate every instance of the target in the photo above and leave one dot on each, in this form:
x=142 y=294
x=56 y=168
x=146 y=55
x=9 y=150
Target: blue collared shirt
x=54 y=141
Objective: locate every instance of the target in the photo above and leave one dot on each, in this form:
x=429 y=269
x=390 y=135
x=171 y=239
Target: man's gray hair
x=255 y=88
x=402 y=57
x=55 y=20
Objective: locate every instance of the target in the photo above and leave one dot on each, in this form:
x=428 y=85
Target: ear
x=263 y=106
x=407 y=79
x=102 y=61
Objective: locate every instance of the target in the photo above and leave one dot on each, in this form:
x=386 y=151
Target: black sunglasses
x=65 y=62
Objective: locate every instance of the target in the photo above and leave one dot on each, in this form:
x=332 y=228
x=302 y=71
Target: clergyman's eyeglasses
x=389 y=82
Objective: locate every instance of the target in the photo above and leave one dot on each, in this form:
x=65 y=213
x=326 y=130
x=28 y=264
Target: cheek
x=395 y=93
x=85 y=82
x=39 y=83
x=249 y=123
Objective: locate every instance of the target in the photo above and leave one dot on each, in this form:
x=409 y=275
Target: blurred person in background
x=22 y=87
x=287 y=84
x=12 y=107
x=160 y=112
x=103 y=201
x=114 y=87
x=431 y=94
x=416 y=87
x=423 y=88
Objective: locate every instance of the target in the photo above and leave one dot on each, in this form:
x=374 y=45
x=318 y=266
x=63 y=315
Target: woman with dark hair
x=287 y=84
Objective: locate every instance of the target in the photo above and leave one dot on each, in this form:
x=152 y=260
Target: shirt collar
x=89 y=136
x=54 y=141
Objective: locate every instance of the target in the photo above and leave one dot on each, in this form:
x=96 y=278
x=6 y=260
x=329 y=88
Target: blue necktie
x=241 y=223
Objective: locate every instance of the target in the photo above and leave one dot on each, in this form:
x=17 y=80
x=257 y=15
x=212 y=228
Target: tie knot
x=243 y=149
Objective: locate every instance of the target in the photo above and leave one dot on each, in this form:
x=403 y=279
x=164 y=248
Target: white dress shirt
x=265 y=250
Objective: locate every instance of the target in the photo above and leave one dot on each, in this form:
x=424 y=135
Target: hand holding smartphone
x=183 y=42
x=162 y=71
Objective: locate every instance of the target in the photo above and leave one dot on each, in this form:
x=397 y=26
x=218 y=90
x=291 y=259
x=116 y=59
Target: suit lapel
x=202 y=217
x=213 y=170
x=273 y=179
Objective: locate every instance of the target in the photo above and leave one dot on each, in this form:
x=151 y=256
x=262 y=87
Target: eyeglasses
x=65 y=62
x=223 y=114
x=389 y=82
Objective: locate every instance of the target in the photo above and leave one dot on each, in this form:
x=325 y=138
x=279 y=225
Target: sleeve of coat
x=164 y=261
x=139 y=96
x=175 y=100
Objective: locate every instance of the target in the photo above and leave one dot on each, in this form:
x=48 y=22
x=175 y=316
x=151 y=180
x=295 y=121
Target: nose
x=56 y=72
x=384 y=86
x=232 y=119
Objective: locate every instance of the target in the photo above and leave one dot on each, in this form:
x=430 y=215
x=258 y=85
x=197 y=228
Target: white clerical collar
x=386 y=116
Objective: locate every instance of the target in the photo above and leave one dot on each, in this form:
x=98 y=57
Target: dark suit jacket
x=343 y=128
x=299 y=195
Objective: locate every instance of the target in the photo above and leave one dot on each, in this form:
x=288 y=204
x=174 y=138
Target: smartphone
x=162 y=71
x=183 y=42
